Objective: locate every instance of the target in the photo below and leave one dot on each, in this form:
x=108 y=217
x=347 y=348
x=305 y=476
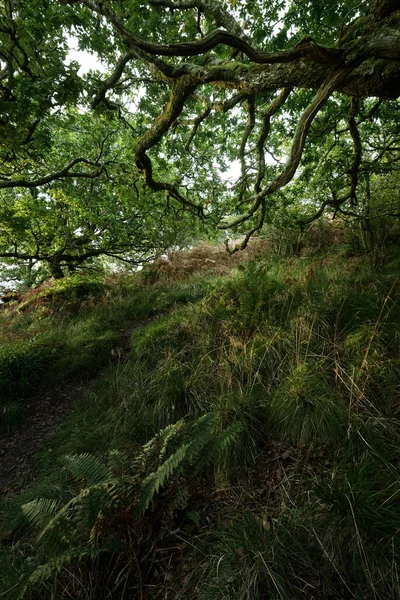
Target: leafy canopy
x=299 y=93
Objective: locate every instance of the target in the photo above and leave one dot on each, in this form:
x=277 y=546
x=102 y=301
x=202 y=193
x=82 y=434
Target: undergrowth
x=247 y=446
x=67 y=330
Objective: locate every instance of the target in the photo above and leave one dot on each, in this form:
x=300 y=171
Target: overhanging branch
x=180 y=92
x=63 y=173
x=297 y=147
x=305 y=49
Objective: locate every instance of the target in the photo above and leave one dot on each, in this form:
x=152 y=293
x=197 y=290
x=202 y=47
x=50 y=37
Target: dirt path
x=42 y=417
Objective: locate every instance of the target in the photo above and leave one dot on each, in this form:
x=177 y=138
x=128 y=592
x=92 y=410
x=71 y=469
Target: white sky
x=87 y=60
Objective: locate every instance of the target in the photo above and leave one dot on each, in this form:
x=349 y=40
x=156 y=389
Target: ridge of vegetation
x=243 y=444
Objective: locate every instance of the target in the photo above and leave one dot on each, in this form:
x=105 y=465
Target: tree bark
x=55 y=269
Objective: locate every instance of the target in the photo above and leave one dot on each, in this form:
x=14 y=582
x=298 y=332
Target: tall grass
x=65 y=331
x=296 y=364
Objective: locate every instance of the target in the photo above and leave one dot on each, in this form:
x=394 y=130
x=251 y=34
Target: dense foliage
x=187 y=87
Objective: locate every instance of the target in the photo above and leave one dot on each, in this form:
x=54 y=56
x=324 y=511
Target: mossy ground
x=298 y=360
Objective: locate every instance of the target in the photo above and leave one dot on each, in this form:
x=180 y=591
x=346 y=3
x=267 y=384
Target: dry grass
x=203 y=258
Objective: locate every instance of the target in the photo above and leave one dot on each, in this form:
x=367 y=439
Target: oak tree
x=298 y=92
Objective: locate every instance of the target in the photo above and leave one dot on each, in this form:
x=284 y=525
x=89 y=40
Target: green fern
x=201 y=432
x=79 y=522
x=62 y=524
x=155 y=449
x=199 y=451
x=218 y=446
x=119 y=461
x=83 y=507
x=198 y=447
x=155 y=481
x=40 y=511
x=168 y=433
x=87 y=467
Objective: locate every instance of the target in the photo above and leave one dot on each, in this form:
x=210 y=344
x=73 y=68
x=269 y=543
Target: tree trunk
x=384 y=8
x=55 y=269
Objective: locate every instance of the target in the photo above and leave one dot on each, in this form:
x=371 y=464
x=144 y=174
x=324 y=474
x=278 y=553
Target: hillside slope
x=238 y=436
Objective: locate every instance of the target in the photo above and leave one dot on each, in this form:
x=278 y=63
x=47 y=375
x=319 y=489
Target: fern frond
x=156 y=480
x=87 y=467
x=200 y=450
x=39 y=511
x=72 y=511
x=156 y=447
x=218 y=445
x=204 y=422
x=119 y=461
x=167 y=434
x=201 y=431
x=227 y=437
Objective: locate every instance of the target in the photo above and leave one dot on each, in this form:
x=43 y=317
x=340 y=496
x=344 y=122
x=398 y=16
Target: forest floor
x=42 y=417
x=42 y=414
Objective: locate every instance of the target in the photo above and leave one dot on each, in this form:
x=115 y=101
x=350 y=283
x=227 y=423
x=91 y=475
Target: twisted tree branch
x=61 y=174
x=306 y=49
x=297 y=147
